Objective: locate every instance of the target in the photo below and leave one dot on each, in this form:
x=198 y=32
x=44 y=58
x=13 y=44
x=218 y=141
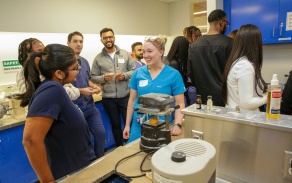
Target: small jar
x=209 y=103
x=199 y=102
x=153 y=120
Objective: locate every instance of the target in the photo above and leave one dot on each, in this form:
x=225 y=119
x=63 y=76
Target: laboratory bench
x=8 y=122
x=130 y=167
x=106 y=164
x=249 y=146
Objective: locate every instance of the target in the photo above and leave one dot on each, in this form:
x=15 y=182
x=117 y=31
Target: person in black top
x=208 y=56
x=286 y=106
x=177 y=58
x=178 y=55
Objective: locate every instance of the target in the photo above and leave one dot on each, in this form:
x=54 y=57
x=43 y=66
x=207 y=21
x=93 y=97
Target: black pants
x=115 y=108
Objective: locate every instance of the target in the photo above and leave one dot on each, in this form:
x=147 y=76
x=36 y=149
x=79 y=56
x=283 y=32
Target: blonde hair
x=159 y=41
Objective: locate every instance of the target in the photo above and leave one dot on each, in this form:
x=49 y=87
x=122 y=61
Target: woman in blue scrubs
x=155 y=78
x=56 y=136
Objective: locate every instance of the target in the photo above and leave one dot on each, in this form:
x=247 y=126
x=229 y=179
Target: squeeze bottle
x=274 y=99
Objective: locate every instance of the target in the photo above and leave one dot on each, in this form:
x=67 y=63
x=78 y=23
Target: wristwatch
x=177 y=124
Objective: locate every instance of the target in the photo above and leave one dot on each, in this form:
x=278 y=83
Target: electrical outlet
x=287 y=165
x=197 y=134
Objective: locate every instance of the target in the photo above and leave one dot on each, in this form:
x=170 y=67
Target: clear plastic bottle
x=209 y=103
x=274 y=99
x=199 y=102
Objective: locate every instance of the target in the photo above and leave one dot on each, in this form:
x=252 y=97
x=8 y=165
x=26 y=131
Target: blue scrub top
x=168 y=81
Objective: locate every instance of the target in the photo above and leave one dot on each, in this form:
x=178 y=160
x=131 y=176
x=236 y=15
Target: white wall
x=179 y=16
x=277 y=60
x=92 y=46
x=126 y=17
x=51 y=21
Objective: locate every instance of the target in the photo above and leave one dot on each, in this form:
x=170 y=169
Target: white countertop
x=8 y=121
x=254 y=118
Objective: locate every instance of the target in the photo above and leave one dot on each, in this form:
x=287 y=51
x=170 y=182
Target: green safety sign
x=11 y=65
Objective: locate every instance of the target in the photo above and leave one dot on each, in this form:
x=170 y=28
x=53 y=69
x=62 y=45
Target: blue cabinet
x=285 y=21
x=109 y=140
x=269 y=15
x=14 y=164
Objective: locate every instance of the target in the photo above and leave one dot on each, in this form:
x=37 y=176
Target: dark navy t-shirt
x=68 y=142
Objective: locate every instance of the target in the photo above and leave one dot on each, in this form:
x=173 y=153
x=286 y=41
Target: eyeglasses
x=108 y=37
x=77 y=68
x=226 y=22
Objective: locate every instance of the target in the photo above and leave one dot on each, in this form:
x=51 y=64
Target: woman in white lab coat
x=243 y=84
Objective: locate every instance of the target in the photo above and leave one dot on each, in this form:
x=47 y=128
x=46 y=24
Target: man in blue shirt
x=85 y=101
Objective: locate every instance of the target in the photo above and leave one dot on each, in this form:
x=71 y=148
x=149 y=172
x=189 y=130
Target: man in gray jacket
x=113 y=68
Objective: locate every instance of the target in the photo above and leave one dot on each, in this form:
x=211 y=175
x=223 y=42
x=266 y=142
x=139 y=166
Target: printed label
x=161 y=179
x=289 y=22
x=275 y=102
x=121 y=60
x=11 y=65
x=276 y=94
x=143 y=83
x=275 y=111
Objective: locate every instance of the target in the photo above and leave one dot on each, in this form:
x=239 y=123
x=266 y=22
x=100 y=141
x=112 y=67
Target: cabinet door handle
x=274 y=32
x=281 y=28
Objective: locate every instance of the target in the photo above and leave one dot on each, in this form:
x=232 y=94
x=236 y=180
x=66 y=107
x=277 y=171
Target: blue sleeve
x=178 y=86
x=133 y=80
x=47 y=103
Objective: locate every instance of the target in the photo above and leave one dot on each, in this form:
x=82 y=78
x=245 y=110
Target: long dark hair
x=25 y=48
x=248 y=43
x=178 y=56
x=54 y=57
